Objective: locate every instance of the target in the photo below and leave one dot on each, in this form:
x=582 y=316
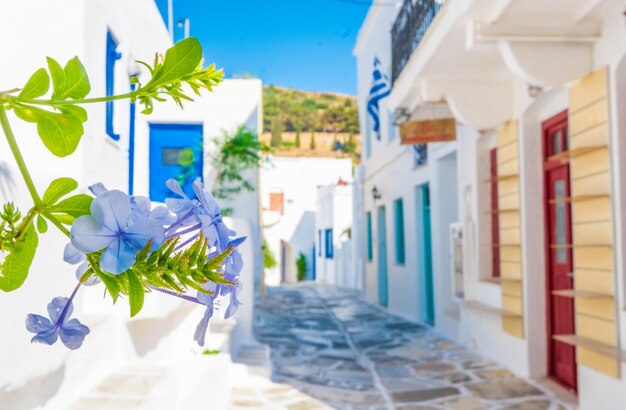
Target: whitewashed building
x=333 y=227
x=289 y=187
x=532 y=187
x=117 y=149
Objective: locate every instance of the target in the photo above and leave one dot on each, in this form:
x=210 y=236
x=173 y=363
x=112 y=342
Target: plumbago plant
x=117 y=240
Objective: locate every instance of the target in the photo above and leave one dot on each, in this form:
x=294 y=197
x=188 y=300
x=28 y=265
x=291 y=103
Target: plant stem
x=8 y=133
x=56 y=223
x=83 y=101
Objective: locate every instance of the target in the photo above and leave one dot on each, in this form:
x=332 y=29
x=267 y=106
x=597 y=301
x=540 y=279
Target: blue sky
x=304 y=44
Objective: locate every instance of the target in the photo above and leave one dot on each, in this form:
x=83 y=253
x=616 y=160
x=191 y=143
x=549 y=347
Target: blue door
x=427 y=258
x=383 y=293
x=175 y=152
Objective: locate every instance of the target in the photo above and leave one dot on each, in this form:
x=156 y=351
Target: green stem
x=56 y=223
x=26 y=223
x=83 y=101
x=8 y=133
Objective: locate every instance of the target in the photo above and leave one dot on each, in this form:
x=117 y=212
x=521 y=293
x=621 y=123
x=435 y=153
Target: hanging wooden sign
x=425 y=131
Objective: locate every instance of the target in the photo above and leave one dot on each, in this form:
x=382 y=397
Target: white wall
x=298 y=179
x=334 y=211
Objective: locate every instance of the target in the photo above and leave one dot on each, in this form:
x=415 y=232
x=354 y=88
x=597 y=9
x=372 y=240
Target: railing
x=408 y=30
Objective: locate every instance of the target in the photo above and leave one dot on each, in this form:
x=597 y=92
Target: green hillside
x=289 y=110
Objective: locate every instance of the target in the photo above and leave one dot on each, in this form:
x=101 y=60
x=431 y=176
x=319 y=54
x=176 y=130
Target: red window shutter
x=277 y=202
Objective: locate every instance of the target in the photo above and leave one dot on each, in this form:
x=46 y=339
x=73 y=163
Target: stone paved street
x=348 y=354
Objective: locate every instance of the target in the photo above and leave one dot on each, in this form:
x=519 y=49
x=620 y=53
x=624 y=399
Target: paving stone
x=454 y=377
x=494 y=374
x=503 y=389
x=393 y=371
x=412 y=396
x=307 y=405
x=432 y=367
x=411 y=407
x=530 y=405
x=466 y=403
x=478 y=364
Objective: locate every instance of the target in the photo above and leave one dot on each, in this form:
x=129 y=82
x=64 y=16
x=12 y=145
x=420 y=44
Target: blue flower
x=71 y=332
x=73 y=256
x=208 y=300
x=234 y=304
x=204 y=210
x=113 y=226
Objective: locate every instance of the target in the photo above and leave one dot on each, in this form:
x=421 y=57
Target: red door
x=562 y=357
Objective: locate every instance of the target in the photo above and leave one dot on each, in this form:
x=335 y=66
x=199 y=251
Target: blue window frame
x=370 y=248
x=398 y=218
x=329 y=243
x=112 y=55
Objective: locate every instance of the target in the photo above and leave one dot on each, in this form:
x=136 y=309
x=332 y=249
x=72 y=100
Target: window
x=398 y=219
x=495 y=217
x=112 y=55
x=319 y=239
x=277 y=202
x=420 y=155
x=370 y=248
x=329 y=243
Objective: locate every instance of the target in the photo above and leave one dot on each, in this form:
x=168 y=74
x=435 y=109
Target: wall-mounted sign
x=425 y=131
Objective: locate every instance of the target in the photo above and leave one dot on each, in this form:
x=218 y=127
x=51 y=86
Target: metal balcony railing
x=408 y=30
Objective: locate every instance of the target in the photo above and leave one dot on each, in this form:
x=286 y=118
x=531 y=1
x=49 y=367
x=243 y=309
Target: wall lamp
x=376 y=193
x=400 y=115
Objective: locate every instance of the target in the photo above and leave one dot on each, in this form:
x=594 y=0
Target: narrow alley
x=328 y=343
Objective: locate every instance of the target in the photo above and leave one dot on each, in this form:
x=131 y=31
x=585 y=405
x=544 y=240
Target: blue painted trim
x=112 y=55
x=131 y=144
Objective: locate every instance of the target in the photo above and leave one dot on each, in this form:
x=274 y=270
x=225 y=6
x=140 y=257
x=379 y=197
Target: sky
x=303 y=44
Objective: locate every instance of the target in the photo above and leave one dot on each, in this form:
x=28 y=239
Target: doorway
x=425 y=253
x=559 y=263
x=383 y=291
x=175 y=152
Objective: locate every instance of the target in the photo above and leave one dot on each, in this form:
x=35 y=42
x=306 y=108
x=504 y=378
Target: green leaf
x=180 y=60
x=58 y=76
x=37 y=85
x=76 y=84
x=65 y=219
x=110 y=282
x=42 y=225
x=57 y=189
x=26 y=113
x=74 y=110
x=76 y=205
x=15 y=267
x=59 y=133
x=135 y=292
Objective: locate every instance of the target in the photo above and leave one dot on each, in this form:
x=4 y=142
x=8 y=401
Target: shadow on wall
x=303 y=237
x=7 y=184
x=35 y=393
x=147 y=333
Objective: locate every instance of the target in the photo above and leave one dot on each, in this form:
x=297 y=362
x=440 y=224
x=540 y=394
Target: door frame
x=547 y=167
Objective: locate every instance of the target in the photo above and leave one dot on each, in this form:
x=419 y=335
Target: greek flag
x=380 y=89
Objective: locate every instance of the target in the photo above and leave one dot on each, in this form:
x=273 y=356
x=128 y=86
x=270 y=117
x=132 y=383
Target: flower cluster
x=135 y=248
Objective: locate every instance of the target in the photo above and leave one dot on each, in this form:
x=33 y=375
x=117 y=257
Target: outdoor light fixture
x=376 y=193
x=400 y=115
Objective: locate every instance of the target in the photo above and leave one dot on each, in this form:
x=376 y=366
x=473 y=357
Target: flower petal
x=140 y=233
x=118 y=257
x=72 y=255
x=163 y=215
x=201 y=329
x=174 y=186
x=139 y=208
x=98 y=189
x=111 y=210
x=48 y=337
x=56 y=307
x=88 y=236
x=80 y=271
x=73 y=333
x=207 y=200
x=38 y=323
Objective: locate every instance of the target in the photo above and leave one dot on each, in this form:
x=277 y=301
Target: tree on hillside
x=312 y=143
x=298 y=129
x=277 y=133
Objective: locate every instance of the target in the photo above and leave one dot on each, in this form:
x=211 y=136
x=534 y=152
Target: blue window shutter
x=112 y=55
x=398 y=209
x=329 y=243
x=370 y=248
x=319 y=249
